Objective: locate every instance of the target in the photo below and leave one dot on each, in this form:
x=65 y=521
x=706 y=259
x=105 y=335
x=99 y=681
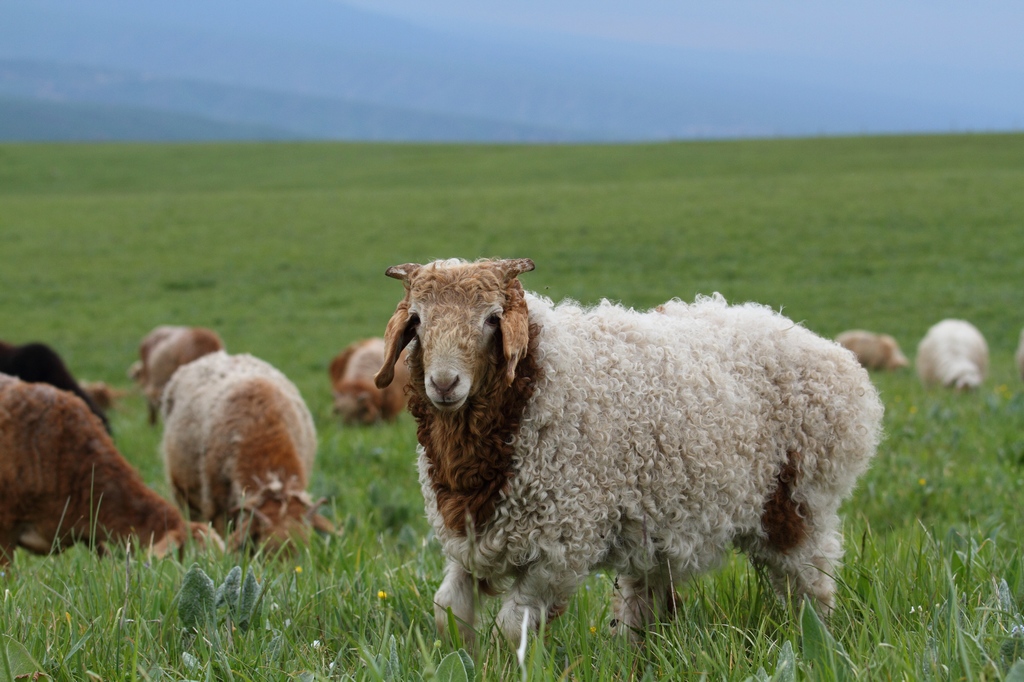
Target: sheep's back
x=366 y=360
x=680 y=418
x=950 y=350
x=215 y=402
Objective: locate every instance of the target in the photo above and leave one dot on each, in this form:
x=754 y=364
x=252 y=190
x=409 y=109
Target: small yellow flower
x=382 y=595
x=593 y=629
x=913 y=409
x=298 y=569
x=921 y=481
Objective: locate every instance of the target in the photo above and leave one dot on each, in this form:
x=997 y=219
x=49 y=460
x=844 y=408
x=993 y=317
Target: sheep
x=37 y=362
x=162 y=352
x=103 y=394
x=238 y=449
x=356 y=399
x=558 y=440
x=1020 y=355
x=873 y=351
x=953 y=353
x=62 y=481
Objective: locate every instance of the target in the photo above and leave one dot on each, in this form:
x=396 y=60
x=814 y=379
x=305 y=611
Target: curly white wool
x=651 y=444
x=953 y=353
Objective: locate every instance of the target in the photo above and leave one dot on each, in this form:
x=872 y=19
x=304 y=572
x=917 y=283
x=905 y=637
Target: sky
x=530 y=70
x=972 y=35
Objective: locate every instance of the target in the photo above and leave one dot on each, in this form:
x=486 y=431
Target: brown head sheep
x=953 y=353
x=557 y=440
x=103 y=394
x=62 y=480
x=238 y=448
x=873 y=351
x=356 y=398
x=162 y=352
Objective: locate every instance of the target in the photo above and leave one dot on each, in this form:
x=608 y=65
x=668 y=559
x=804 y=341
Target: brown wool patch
x=783 y=519
x=470 y=451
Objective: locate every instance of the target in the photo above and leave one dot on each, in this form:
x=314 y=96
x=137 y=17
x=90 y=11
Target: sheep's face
x=894 y=357
x=357 y=407
x=280 y=523
x=465 y=318
x=174 y=540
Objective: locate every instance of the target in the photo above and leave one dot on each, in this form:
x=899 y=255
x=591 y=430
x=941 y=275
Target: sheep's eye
x=493 y=320
x=412 y=327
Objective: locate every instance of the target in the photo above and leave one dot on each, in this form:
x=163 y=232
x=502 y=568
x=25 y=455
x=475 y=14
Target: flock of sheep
x=554 y=440
x=953 y=353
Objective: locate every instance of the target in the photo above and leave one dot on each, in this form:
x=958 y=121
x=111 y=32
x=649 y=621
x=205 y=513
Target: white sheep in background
x=1020 y=355
x=238 y=447
x=953 y=353
x=556 y=440
x=873 y=351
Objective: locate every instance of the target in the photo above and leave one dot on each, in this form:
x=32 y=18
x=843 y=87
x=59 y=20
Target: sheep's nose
x=444 y=385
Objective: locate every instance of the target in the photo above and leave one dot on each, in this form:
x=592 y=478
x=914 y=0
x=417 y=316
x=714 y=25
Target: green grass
x=282 y=249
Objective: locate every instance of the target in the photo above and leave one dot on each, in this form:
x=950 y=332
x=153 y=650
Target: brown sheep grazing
x=238 y=448
x=356 y=398
x=62 y=481
x=162 y=352
x=873 y=351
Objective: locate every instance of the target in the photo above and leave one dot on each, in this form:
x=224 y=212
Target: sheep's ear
x=403 y=272
x=513 y=267
x=515 y=328
x=396 y=337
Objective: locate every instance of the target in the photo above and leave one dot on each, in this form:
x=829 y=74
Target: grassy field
x=282 y=249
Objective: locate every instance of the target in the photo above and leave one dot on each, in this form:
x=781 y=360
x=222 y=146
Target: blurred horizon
x=486 y=71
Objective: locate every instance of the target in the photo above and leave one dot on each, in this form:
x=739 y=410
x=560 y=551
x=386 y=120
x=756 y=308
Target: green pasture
x=282 y=248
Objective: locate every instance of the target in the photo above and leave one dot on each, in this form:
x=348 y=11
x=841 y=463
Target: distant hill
x=26 y=120
x=254 y=112
x=320 y=68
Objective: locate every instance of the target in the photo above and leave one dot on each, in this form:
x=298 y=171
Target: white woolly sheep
x=62 y=481
x=238 y=447
x=953 y=353
x=356 y=398
x=873 y=351
x=556 y=440
x=162 y=352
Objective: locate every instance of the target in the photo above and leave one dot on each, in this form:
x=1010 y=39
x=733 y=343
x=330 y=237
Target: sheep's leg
x=533 y=595
x=456 y=593
x=809 y=567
